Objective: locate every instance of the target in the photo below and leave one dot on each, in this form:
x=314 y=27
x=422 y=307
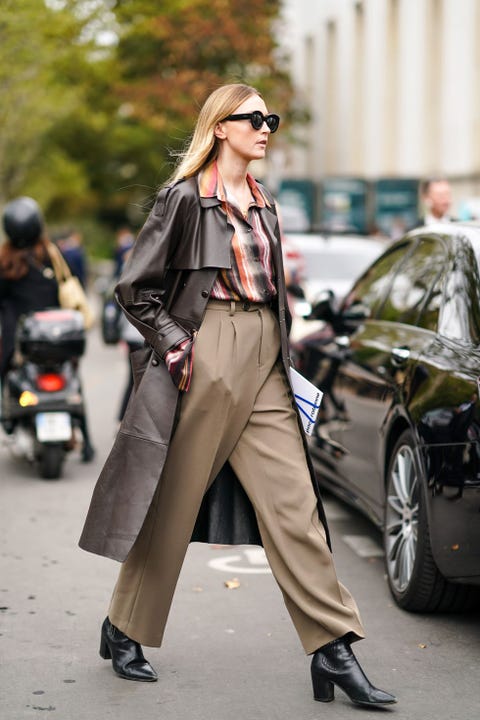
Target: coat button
x=155 y=361
x=205 y=293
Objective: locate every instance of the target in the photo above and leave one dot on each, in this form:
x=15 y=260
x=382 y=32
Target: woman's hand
x=179 y=362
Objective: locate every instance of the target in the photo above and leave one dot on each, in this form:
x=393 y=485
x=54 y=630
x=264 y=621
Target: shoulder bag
x=71 y=294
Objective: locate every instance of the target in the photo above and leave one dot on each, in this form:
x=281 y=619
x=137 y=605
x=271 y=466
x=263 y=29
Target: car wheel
x=414 y=579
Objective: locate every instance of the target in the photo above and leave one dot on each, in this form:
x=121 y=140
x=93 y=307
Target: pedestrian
x=211 y=446
x=437 y=201
x=71 y=246
x=123 y=244
x=27 y=282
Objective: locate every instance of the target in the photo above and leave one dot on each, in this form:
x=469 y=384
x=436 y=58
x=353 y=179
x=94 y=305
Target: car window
x=460 y=311
x=415 y=292
x=430 y=312
x=372 y=287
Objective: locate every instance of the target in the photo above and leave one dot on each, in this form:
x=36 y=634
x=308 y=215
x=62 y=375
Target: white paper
x=308 y=399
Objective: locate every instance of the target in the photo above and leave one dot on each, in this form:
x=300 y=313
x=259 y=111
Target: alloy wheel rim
x=401 y=520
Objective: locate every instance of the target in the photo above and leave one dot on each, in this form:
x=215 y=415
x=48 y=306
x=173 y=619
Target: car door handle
x=400 y=356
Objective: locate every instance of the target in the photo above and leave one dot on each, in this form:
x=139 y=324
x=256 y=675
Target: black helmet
x=22 y=222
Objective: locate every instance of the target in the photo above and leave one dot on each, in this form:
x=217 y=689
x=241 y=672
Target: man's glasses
x=257 y=119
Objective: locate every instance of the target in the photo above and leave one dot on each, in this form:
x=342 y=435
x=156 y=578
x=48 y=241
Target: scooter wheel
x=51 y=461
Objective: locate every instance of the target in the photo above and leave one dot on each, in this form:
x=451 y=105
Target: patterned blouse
x=251 y=275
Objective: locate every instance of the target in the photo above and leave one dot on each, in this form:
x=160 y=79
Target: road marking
x=363 y=546
x=252 y=561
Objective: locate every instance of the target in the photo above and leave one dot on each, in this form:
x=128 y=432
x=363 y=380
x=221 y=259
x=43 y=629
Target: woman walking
x=211 y=446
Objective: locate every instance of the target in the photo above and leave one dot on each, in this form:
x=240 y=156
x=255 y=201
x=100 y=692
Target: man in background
x=437 y=201
x=70 y=244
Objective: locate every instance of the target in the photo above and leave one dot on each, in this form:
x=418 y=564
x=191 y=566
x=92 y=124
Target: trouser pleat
x=238 y=409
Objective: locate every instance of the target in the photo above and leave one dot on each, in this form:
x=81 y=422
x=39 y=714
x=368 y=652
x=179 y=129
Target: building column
x=375 y=90
x=458 y=76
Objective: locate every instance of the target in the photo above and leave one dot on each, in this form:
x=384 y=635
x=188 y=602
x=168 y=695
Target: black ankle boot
x=336 y=664
x=126 y=655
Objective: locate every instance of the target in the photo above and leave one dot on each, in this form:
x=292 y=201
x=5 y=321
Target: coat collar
x=208 y=202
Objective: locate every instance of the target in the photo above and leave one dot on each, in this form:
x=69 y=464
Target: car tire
x=413 y=577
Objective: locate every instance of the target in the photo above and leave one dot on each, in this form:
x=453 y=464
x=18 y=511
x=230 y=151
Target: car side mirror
x=323 y=307
x=303 y=309
x=355 y=314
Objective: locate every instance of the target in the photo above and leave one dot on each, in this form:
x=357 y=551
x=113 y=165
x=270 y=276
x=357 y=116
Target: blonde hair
x=203 y=147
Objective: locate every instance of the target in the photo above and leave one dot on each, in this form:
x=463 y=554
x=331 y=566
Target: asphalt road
x=229 y=652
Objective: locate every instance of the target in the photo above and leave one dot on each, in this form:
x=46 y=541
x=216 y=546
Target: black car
x=398 y=434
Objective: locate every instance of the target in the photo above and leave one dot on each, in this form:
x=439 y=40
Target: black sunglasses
x=257 y=119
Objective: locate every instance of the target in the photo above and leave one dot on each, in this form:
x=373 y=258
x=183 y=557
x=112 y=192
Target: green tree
x=40 y=51
x=173 y=54
x=90 y=129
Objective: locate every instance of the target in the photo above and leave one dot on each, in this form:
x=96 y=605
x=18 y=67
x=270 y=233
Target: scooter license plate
x=53 y=426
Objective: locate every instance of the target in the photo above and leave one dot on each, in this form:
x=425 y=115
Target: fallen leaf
x=197 y=588
x=422 y=646
x=232 y=584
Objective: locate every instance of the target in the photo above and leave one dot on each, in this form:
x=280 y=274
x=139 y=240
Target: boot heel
x=323 y=689
x=336 y=663
x=104 y=649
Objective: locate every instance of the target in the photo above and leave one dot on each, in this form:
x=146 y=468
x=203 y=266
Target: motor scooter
x=42 y=399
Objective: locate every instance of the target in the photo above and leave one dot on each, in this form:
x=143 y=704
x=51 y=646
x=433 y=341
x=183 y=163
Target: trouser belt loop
x=232 y=307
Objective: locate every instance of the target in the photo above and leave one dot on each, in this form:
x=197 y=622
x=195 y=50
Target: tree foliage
x=172 y=54
x=39 y=90
x=172 y=58
x=89 y=128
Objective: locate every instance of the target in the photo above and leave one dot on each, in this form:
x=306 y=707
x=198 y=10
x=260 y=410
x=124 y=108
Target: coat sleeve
x=141 y=290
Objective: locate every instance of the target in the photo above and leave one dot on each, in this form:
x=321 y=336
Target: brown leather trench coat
x=164 y=290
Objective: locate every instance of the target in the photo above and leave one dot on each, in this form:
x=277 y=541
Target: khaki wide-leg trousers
x=237 y=409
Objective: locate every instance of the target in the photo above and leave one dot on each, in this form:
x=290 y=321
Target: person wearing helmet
x=27 y=279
